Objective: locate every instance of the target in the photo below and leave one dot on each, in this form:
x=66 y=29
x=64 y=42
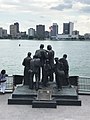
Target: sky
x=30 y=13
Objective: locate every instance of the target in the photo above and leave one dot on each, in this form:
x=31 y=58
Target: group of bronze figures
x=43 y=65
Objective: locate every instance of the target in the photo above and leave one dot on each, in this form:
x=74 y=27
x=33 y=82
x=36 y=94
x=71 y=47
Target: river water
x=12 y=55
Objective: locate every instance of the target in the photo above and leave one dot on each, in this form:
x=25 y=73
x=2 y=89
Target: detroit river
x=12 y=55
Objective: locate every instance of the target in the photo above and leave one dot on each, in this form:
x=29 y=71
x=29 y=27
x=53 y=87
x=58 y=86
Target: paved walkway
x=26 y=112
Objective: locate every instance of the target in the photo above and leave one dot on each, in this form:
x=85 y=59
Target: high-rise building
x=17 y=26
x=54 y=30
x=68 y=28
x=14 y=30
x=31 y=33
x=40 y=31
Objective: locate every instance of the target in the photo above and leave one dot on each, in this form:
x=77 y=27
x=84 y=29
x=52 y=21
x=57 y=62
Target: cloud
x=68 y=1
x=82 y=6
x=25 y=6
x=7 y=2
x=83 y=1
x=85 y=9
x=61 y=7
x=29 y=2
x=77 y=1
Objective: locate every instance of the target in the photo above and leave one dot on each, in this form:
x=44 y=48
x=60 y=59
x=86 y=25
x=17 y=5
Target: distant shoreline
x=49 y=39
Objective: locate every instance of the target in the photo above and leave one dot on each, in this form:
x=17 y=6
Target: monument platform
x=45 y=97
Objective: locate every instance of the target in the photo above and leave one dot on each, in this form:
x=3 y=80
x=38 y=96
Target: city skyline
x=33 y=12
x=16 y=25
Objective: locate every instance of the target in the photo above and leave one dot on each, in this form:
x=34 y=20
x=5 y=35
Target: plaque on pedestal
x=44 y=95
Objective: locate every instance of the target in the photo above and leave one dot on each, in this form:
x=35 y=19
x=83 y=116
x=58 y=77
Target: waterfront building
x=53 y=30
x=23 y=35
x=87 y=36
x=31 y=33
x=68 y=28
x=46 y=34
x=14 y=30
x=3 y=33
x=66 y=36
x=17 y=26
x=75 y=32
x=40 y=31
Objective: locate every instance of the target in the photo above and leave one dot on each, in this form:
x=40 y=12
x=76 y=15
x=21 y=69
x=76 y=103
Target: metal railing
x=83 y=84
x=9 y=84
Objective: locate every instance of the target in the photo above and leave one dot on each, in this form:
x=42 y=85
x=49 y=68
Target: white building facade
x=31 y=32
x=13 y=31
x=61 y=36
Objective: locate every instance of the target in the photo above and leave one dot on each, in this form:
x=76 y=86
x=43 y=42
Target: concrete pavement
x=26 y=112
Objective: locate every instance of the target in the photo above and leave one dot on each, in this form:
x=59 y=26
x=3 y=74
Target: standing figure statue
x=66 y=69
x=34 y=70
x=59 y=73
x=47 y=73
x=26 y=64
x=42 y=54
x=51 y=54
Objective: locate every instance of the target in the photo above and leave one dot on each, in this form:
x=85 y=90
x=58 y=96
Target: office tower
x=31 y=33
x=40 y=31
x=54 y=30
x=14 y=30
x=68 y=28
x=17 y=26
